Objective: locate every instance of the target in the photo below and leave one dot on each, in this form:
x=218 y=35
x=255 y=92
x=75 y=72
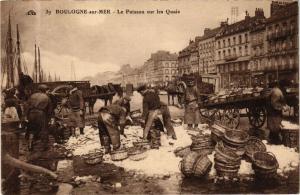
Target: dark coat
x=151 y=101
x=76 y=100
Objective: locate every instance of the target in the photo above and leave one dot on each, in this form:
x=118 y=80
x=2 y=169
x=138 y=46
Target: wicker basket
x=225 y=153
x=219 y=165
x=119 y=155
x=93 y=158
x=181 y=151
x=236 y=137
x=220 y=159
x=265 y=160
x=240 y=151
x=226 y=173
x=137 y=155
x=187 y=163
x=290 y=137
x=142 y=144
x=202 y=166
x=254 y=145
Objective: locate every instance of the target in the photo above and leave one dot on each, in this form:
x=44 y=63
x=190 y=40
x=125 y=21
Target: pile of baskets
x=254 y=145
x=137 y=153
x=227 y=162
x=235 y=141
x=264 y=165
x=93 y=158
x=202 y=143
x=195 y=164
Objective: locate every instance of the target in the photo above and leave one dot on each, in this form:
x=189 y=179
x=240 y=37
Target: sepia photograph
x=149 y=97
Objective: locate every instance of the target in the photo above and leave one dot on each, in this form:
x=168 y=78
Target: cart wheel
x=256 y=116
x=231 y=118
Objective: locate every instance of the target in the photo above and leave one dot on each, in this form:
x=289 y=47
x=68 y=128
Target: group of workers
x=112 y=119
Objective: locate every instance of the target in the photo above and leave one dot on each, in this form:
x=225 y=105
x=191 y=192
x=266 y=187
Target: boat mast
x=19 y=69
x=35 y=79
x=39 y=66
x=10 y=58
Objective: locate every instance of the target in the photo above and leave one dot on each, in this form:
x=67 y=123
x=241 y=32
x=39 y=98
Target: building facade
x=161 y=67
x=282 y=42
x=206 y=50
x=233 y=51
x=258 y=48
x=188 y=58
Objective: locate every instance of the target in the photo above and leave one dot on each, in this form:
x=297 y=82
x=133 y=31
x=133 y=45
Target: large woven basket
x=226 y=173
x=202 y=166
x=219 y=165
x=290 y=137
x=235 y=137
x=118 y=155
x=93 y=158
x=254 y=145
x=225 y=153
x=265 y=160
x=142 y=144
x=240 y=151
x=187 y=163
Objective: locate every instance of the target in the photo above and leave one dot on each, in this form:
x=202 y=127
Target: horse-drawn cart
x=228 y=110
x=59 y=92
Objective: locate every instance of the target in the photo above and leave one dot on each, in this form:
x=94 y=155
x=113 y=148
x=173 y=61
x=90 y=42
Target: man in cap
x=275 y=106
x=39 y=112
x=152 y=107
x=111 y=121
x=124 y=102
x=76 y=104
x=192 y=113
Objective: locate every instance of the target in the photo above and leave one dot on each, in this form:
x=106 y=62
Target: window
x=167 y=64
x=167 y=71
x=229 y=52
x=229 y=42
x=224 y=44
x=219 y=54
x=246 y=50
x=246 y=38
x=234 y=51
x=292 y=26
x=167 y=78
x=234 y=41
x=240 y=39
x=224 y=54
x=240 y=51
x=219 y=44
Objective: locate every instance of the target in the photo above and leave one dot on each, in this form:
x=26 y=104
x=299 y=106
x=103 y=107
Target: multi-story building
x=188 y=59
x=282 y=42
x=161 y=67
x=206 y=49
x=258 y=51
x=233 y=51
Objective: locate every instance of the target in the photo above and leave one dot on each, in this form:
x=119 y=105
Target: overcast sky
x=98 y=43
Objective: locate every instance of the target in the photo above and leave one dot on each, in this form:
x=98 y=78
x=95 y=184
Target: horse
x=104 y=92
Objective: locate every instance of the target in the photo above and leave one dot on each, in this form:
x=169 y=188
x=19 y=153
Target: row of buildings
x=255 y=50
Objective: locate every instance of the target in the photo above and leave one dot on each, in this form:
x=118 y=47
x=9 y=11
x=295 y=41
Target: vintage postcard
x=149 y=97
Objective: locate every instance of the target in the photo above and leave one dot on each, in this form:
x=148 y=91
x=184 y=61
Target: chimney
x=247 y=17
x=206 y=31
x=259 y=12
x=191 y=41
x=224 y=24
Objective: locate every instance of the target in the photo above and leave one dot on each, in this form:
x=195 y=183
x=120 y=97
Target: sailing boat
x=11 y=62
